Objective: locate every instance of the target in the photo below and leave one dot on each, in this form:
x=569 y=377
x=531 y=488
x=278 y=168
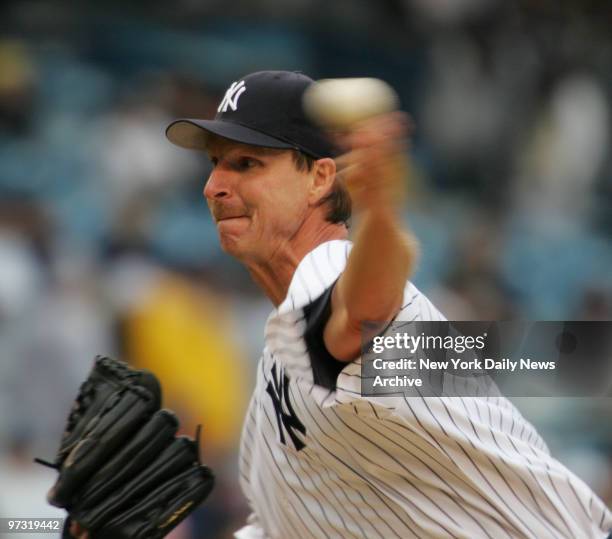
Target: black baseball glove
x=123 y=472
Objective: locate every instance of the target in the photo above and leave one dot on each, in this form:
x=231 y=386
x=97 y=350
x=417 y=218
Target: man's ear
x=323 y=178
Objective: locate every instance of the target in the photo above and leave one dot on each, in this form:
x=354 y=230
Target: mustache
x=221 y=211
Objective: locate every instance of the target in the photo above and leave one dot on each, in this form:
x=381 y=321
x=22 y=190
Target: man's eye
x=244 y=163
x=214 y=161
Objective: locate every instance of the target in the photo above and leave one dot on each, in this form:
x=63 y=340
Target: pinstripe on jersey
x=383 y=467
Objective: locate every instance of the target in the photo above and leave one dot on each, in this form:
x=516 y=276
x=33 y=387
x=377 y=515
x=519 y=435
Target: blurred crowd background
x=107 y=247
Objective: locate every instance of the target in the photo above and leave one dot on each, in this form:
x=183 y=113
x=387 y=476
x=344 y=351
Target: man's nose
x=217 y=186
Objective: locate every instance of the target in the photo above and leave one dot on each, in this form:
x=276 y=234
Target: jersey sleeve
x=325 y=367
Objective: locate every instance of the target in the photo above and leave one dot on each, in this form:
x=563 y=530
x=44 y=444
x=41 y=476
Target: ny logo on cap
x=231 y=96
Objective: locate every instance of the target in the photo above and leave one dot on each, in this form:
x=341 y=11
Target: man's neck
x=274 y=274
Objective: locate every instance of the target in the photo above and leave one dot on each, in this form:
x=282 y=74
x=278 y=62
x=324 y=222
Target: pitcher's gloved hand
x=123 y=472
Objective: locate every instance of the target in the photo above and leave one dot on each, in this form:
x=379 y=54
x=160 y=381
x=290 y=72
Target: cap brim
x=193 y=134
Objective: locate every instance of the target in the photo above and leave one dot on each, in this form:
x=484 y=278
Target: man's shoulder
x=315 y=274
x=307 y=309
x=319 y=270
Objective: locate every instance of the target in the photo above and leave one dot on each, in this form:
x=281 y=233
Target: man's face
x=256 y=196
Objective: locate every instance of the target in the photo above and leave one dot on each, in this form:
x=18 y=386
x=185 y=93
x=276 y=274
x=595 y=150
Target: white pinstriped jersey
x=325 y=462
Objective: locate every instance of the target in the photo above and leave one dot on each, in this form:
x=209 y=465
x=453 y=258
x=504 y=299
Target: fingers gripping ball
x=340 y=103
x=123 y=472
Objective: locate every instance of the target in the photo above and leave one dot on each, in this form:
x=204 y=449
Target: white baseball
x=339 y=103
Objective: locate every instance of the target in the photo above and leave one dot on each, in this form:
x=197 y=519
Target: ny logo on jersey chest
x=278 y=389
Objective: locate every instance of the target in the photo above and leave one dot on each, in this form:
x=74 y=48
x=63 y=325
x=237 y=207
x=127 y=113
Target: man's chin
x=231 y=244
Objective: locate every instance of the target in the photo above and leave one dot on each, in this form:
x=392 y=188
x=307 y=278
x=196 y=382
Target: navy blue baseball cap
x=260 y=109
